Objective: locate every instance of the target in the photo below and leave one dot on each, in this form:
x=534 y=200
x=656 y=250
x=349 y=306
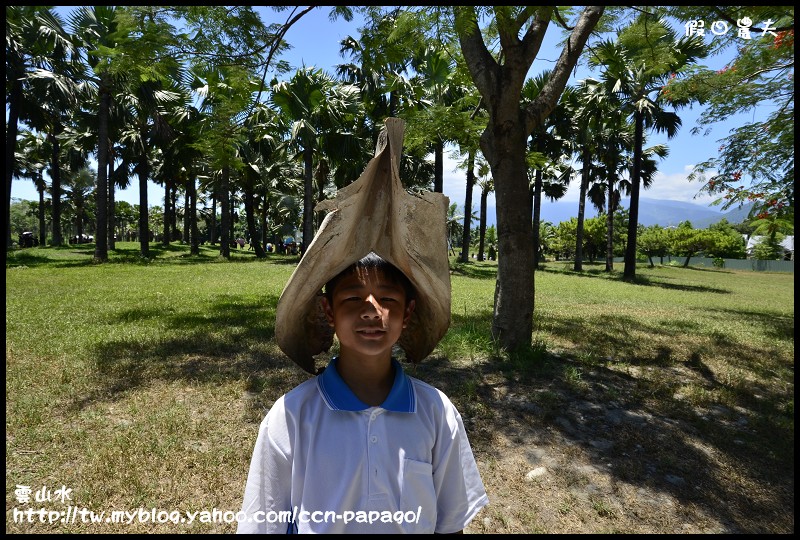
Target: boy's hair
x=372 y=261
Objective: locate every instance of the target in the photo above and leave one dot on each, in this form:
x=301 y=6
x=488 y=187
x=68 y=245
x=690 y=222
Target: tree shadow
x=636 y=426
x=638 y=280
x=228 y=340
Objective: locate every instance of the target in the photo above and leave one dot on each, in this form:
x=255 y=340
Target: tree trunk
x=465 y=240
x=629 y=273
x=57 y=239
x=187 y=222
x=225 y=202
x=173 y=197
x=14 y=99
x=438 y=167
x=610 y=227
x=587 y=160
x=167 y=214
x=537 y=214
x=263 y=216
x=308 y=199
x=512 y=324
x=212 y=234
x=482 y=233
x=192 y=193
x=144 y=218
x=249 y=209
x=42 y=223
x=101 y=229
x=112 y=205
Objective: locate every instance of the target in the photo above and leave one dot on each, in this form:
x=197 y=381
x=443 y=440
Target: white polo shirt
x=325 y=462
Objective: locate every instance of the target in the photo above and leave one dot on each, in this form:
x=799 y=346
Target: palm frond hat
x=373 y=214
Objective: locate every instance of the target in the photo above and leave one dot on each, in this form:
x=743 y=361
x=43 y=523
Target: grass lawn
x=140 y=384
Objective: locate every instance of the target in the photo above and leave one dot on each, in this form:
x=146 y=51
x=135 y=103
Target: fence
x=730 y=264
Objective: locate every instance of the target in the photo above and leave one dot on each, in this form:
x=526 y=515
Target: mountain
x=651 y=212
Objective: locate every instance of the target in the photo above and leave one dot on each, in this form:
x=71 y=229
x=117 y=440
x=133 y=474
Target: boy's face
x=368 y=312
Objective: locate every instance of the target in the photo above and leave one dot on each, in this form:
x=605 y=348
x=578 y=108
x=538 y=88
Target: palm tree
x=97 y=31
x=79 y=186
x=487 y=186
x=379 y=66
x=635 y=67
x=322 y=114
x=453 y=226
x=30 y=163
x=612 y=135
x=549 y=151
x=36 y=45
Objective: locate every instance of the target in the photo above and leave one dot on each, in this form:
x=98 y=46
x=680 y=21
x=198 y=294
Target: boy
x=363 y=447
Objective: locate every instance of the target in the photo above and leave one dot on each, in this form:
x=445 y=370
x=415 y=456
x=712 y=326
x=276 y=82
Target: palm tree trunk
x=56 y=192
x=212 y=234
x=14 y=99
x=101 y=229
x=167 y=214
x=482 y=233
x=144 y=229
x=610 y=227
x=187 y=222
x=308 y=200
x=263 y=216
x=587 y=159
x=225 y=203
x=40 y=187
x=537 y=214
x=465 y=240
x=192 y=193
x=249 y=209
x=173 y=197
x=112 y=205
x=630 y=250
x=438 y=167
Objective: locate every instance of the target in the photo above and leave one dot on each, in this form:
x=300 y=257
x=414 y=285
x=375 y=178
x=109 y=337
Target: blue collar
x=339 y=397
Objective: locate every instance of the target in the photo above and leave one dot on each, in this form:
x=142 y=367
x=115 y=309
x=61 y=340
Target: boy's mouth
x=371 y=331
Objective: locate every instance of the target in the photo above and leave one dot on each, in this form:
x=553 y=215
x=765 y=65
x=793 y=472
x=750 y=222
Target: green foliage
x=654 y=241
x=23 y=218
x=491 y=235
x=756 y=160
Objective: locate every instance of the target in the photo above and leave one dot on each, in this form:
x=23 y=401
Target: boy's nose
x=371 y=308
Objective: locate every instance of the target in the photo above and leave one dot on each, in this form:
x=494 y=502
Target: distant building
x=787 y=243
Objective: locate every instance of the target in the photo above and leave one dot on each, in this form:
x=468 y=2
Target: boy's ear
x=410 y=305
x=326 y=307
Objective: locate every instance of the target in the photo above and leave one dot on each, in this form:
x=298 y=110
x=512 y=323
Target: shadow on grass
x=635 y=424
x=646 y=281
x=228 y=341
x=477 y=270
x=129 y=253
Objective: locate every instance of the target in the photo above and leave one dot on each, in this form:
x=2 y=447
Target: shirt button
x=374 y=439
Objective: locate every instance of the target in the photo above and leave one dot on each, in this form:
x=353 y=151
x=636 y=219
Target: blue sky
x=316 y=40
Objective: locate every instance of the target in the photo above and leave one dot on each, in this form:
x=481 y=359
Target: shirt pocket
x=418 y=497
